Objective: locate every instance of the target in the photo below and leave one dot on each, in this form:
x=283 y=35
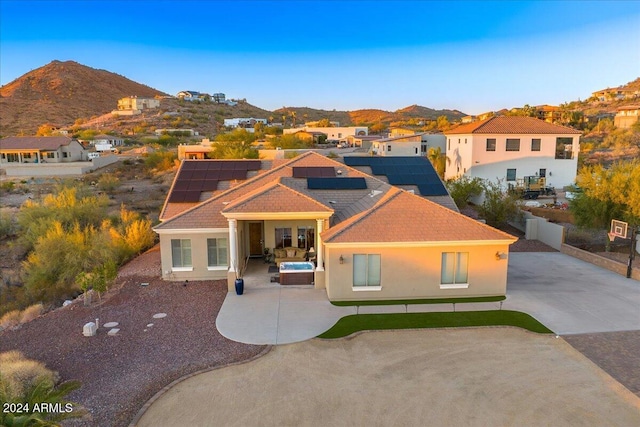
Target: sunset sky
x=472 y=56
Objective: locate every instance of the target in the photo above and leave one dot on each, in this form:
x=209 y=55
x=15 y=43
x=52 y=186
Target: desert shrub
x=29 y=382
x=498 y=207
x=463 y=189
x=31 y=312
x=108 y=182
x=10 y=319
x=160 y=160
x=7 y=226
x=7 y=186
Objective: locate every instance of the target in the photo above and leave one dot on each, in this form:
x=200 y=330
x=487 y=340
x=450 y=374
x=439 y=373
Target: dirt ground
x=470 y=377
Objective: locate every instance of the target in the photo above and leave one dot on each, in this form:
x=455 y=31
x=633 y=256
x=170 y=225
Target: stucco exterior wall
x=199 y=270
x=398 y=148
x=415 y=272
x=473 y=159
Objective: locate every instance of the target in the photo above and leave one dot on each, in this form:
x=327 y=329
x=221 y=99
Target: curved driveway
x=570 y=296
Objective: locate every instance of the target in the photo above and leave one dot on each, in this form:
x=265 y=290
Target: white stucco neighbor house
x=510 y=147
x=333 y=133
x=115 y=141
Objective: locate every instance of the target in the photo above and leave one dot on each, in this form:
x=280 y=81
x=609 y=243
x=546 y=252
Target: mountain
x=61 y=92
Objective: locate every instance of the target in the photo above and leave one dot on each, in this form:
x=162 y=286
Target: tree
x=233 y=150
x=498 y=207
x=439 y=160
x=607 y=192
x=324 y=123
x=442 y=123
x=463 y=189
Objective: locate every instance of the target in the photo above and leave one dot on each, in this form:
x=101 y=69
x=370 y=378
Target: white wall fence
x=57 y=169
x=536 y=228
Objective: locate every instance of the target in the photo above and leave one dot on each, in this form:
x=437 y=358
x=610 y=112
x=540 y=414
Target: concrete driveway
x=570 y=296
x=450 y=377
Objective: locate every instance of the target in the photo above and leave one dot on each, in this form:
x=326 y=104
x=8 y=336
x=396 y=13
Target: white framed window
x=366 y=272
x=491 y=144
x=217 y=252
x=181 y=254
x=454 y=273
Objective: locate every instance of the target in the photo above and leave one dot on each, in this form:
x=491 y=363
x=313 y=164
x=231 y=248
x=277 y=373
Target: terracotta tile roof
x=207 y=214
x=275 y=197
x=511 y=125
x=34 y=142
x=403 y=217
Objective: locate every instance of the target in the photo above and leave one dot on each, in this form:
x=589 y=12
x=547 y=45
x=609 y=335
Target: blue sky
x=472 y=56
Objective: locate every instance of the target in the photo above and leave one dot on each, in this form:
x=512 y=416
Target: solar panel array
x=336 y=183
x=416 y=171
x=197 y=176
x=313 y=172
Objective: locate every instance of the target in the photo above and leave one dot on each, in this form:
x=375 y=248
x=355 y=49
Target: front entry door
x=255 y=239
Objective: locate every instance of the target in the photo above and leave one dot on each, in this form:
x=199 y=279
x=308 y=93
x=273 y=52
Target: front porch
x=270 y=313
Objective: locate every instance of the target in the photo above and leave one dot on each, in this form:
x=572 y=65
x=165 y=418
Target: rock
x=89 y=329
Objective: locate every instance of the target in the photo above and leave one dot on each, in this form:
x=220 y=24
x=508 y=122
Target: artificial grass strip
x=362 y=322
x=421 y=301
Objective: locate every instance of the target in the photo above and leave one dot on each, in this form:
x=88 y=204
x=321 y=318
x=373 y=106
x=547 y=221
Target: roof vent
x=411 y=191
x=225 y=203
x=339 y=172
x=374 y=193
x=333 y=202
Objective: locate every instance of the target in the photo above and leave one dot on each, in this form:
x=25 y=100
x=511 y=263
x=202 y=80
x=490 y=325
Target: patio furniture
x=289 y=255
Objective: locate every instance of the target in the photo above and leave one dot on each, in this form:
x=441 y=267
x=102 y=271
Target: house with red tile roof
x=371 y=239
x=508 y=148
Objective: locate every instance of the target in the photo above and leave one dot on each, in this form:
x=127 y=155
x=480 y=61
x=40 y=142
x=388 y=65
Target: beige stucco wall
x=414 y=272
x=200 y=270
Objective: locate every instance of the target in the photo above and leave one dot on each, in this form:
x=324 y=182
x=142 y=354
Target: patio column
x=319 y=249
x=233 y=244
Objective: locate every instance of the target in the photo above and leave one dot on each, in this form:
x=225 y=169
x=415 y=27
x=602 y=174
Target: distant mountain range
x=61 y=92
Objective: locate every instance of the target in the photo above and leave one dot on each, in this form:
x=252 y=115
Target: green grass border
x=420 y=301
x=362 y=322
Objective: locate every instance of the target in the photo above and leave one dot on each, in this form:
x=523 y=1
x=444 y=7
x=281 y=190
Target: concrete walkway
x=570 y=296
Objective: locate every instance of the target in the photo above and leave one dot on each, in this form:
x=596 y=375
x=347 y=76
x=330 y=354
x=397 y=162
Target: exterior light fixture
x=341 y=259
x=499 y=256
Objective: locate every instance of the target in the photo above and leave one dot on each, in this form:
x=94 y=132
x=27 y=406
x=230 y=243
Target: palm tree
x=439 y=160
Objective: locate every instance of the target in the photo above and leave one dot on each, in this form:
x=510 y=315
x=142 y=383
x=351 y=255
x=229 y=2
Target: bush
x=463 y=189
x=108 y=182
x=31 y=312
x=498 y=207
x=10 y=319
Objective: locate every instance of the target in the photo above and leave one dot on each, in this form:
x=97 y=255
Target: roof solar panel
x=195 y=185
x=201 y=165
x=199 y=174
x=191 y=196
x=213 y=165
x=239 y=174
x=336 y=183
x=188 y=165
x=254 y=165
x=313 y=171
x=432 y=190
x=209 y=185
x=181 y=185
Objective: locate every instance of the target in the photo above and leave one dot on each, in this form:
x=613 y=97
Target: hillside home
x=616 y=94
x=135 y=103
x=333 y=133
x=362 y=141
x=190 y=95
x=548 y=113
x=371 y=240
x=511 y=147
x=406 y=145
x=41 y=149
x=195 y=151
x=115 y=141
x=243 y=122
x=626 y=116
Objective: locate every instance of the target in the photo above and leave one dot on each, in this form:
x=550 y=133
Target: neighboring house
x=616 y=94
x=310 y=136
x=137 y=104
x=362 y=141
x=333 y=133
x=115 y=141
x=190 y=95
x=195 y=151
x=41 y=149
x=243 y=122
x=548 y=113
x=372 y=240
x=511 y=147
x=407 y=145
x=219 y=98
x=626 y=116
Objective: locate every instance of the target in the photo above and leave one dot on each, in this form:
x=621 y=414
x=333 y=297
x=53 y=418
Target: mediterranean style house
x=41 y=149
x=626 y=116
x=370 y=239
x=511 y=147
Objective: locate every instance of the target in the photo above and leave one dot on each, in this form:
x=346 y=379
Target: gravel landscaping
x=120 y=373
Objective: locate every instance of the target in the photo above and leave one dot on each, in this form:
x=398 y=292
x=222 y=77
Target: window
x=65 y=154
x=51 y=155
x=416 y=150
x=389 y=147
x=535 y=144
x=283 y=238
x=511 y=174
x=543 y=173
x=513 y=144
x=564 y=148
x=366 y=270
x=217 y=252
x=454 y=272
x=491 y=144
x=306 y=237
x=181 y=253
x=27 y=155
x=449 y=144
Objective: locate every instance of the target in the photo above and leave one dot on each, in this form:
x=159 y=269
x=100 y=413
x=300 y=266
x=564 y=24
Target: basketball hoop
x=618 y=229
